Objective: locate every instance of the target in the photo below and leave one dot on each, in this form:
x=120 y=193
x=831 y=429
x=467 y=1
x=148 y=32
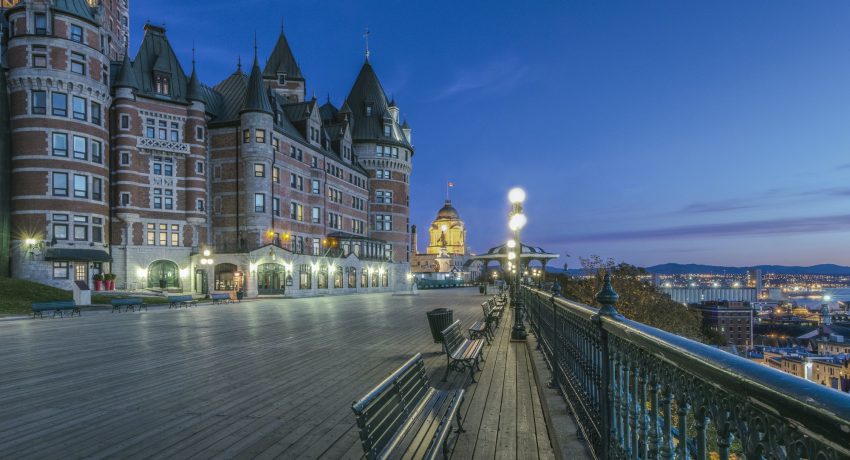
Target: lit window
x=259 y=170
x=259 y=202
x=162 y=84
x=260 y=135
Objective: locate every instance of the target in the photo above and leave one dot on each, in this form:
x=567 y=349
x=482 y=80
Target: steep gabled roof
x=282 y=61
x=328 y=111
x=232 y=91
x=156 y=55
x=367 y=91
x=78 y=8
x=256 y=98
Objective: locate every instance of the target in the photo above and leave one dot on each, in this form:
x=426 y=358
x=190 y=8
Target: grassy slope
x=17 y=295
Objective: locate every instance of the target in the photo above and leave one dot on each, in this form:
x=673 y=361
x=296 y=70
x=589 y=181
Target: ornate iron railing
x=641 y=393
x=158 y=145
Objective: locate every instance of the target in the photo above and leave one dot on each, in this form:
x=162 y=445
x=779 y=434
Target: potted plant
x=110 y=281
x=98 y=282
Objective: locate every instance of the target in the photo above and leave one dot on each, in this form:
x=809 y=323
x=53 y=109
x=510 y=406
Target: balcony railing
x=159 y=145
x=641 y=393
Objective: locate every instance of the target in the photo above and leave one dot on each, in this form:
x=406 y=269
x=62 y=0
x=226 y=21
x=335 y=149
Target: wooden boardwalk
x=271 y=378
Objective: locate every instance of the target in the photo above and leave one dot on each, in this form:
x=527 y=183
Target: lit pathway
x=261 y=379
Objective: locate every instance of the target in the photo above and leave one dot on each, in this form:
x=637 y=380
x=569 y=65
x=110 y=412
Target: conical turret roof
x=126 y=76
x=282 y=61
x=193 y=91
x=256 y=99
x=368 y=92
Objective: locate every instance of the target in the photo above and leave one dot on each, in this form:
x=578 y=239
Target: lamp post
x=516 y=222
x=207 y=263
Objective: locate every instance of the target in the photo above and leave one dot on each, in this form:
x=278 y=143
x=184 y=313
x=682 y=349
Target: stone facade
x=132 y=166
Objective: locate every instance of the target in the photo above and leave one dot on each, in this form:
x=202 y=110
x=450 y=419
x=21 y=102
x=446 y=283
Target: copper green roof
x=194 y=92
x=126 y=78
x=156 y=55
x=256 y=99
x=367 y=91
x=232 y=91
x=282 y=61
x=78 y=8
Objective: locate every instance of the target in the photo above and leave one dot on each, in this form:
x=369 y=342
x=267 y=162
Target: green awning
x=87 y=255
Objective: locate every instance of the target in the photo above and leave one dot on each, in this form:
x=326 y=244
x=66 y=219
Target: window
x=334 y=220
x=384 y=196
x=150 y=128
x=125 y=199
x=79 y=105
x=97 y=230
x=175 y=132
x=276 y=206
x=259 y=202
x=78 y=63
x=125 y=158
x=81 y=186
x=276 y=144
x=39 y=56
x=96 y=189
x=125 y=122
x=60 y=270
x=358 y=203
x=76 y=33
x=81 y=148
x=60 y=144
x=60 y=184
x=382 y=174
x=199 y=133
x=157 y=198
x=59 y=104
x=305 y=279
x=163 y=130
x=296 y=212
x=96 y=152
x=199 y=205
x=60 y=231
x=281 y=78
x=368 y=110
x=316 y=186
x=199 y=167
x=95 y=113
x=317 y=215
x=334 y=195
x=246 y=136
x=81 y=228
x=151 y=235
x=162 y=84
x=357 y=226
x=296 y=181
x=260 y=136
x=40 y=22
x=314 y=162
x=169 y=199
x=276 y=174
x=384 y=222
x=387 y=131
x=259 y=170
x=175 y=235
x=163 y=234
x=39 y=103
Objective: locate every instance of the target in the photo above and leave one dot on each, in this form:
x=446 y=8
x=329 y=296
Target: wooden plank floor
x=271 y=378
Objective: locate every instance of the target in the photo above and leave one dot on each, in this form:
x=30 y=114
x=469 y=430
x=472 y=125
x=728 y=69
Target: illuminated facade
x=447 y=232
x=127 y=163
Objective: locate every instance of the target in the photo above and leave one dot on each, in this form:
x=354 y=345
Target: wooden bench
x=56 y=306
x=404 y=417
x=480 y=329
x=492 y=315
x=222 y=297
x=177 y=301
x=461 y=353
x=128 y=304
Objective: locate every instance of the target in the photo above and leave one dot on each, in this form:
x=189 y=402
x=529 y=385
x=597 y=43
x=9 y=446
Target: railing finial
x=607 y=297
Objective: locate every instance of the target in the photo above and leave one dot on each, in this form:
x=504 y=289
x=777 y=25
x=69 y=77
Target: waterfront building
x=731 y=320
x=697 y=294
x=446 y=257
x=128 y=163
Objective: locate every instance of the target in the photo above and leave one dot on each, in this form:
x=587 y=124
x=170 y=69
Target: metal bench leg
x=448 y=368
x=459 y=419
x=472 y=373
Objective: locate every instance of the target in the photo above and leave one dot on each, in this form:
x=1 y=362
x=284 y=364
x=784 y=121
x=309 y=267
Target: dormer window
x=281 y=79
x=162 y=84
x=387 y=130
x=368 y=110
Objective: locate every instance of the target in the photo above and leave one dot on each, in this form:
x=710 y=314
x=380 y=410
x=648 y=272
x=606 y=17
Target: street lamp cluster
x=516 y=221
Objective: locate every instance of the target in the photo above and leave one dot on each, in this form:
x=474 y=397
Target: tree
x=639 y=299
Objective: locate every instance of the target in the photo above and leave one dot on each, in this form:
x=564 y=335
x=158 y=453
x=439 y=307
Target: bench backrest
x=219 y=296
x=179 y=298
x=383 y=411
x=54 y=305
x=130 y=301
x=487 y=308
x=452 y=337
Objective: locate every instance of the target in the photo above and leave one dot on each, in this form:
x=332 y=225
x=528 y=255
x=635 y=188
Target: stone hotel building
x=127 y=163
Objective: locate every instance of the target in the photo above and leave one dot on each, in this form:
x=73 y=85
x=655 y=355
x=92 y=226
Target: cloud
x=496 y=75
x=789 y=226
x=717 y=206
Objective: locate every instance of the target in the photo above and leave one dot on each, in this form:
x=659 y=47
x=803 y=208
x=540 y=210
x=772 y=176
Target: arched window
x=225 y=277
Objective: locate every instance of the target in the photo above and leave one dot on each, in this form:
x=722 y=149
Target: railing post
x=607 y=297
x=554 y=340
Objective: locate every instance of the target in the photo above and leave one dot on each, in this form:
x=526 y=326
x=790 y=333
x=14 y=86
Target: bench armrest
x=444 y=429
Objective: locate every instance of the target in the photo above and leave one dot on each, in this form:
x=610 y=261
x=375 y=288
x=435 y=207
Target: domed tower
x=257 y=154
x=383 y=148
x=58 y=98
x=447 y=231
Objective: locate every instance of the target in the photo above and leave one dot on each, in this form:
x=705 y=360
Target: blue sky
x=651 y=132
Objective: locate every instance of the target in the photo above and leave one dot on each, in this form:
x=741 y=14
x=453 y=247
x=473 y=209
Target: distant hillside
x=682 y=269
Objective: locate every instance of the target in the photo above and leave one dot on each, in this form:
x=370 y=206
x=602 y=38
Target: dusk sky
x=651 y=132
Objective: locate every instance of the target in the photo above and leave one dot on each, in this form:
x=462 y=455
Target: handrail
x=626 y=379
